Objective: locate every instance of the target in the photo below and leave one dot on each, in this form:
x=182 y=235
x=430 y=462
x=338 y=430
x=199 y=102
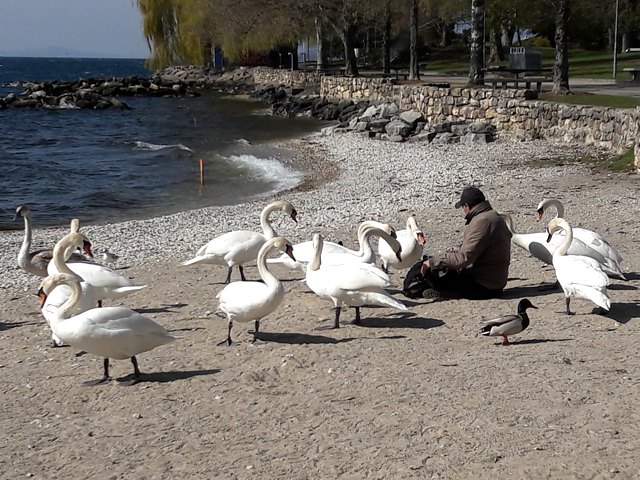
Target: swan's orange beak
x=421 y=239
x=86 y=246
x=289 y=252
x=42 y=297
x=539 y=214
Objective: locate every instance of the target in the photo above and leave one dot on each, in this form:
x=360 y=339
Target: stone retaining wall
x=295 y=78
x=516 y=113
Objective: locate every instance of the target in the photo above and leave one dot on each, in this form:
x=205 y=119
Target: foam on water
x=155 y=147
x=268 y=169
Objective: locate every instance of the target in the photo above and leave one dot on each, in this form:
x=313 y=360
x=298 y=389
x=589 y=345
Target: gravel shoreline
x=348 y=178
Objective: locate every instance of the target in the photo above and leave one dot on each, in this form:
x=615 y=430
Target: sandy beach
x=405 y=395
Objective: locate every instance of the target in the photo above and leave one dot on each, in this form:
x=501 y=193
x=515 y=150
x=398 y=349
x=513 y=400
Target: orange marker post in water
x=201 y=172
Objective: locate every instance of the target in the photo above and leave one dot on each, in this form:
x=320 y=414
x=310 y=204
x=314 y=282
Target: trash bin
x=525 y=58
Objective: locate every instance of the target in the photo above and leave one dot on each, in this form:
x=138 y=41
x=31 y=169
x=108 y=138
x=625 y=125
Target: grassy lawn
x=582 y=63
x=592 y=99
x=617 y=163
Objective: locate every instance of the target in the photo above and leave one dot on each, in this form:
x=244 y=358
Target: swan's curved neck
x=364 y=239
x=266 y=275
x=61 y=252
x=566 y=242
x=28 y=235
x=67 y=307
x=553 y=202
x=316 y=261
x=393 y=242
x=509 y=223
x=267 y=229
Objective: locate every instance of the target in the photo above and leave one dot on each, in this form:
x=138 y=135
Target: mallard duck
x=509 y=324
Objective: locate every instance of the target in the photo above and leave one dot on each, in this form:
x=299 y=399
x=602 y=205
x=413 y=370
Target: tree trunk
x=476 y=63
x=561 y=63
x=507 y=36
x=386 y=39
x=414 y=73
x=348 y=37
x=496 y=50
x=320 y=63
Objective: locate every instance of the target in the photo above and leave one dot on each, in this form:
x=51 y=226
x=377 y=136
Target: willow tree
x=173 y=29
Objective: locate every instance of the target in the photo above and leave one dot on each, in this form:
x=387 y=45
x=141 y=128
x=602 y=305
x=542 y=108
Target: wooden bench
x=515 y=82
x=634 y=71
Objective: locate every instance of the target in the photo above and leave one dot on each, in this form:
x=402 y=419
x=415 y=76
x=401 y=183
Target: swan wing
x=246 y=301
x=597 y=242
x=356 y=298
x=580 y=270
x=411 y=251
x=113 y=332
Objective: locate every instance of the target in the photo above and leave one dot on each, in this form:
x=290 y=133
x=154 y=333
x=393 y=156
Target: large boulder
x=398 y=127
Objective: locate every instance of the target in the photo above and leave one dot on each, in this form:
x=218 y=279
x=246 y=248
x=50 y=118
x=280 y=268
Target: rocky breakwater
x=96 y=94
x=385 y=121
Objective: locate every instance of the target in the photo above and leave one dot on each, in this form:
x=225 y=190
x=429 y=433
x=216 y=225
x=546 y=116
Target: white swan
x=59 y=295
x=592 y=239
x=247 y=301
x=354 y=284
x=335 y=254
x=411 y=239
x=110 y=332
x=36 y=262
x=106 y=283
x=241 y=246
x=578 y=275
x=539 y=247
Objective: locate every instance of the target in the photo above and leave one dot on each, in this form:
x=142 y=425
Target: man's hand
x=425 y=268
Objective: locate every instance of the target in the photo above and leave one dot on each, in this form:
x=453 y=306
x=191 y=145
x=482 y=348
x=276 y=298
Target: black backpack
x=414 y=283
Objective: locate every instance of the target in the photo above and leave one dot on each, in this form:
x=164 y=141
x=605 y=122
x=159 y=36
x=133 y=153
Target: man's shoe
x=432 y=294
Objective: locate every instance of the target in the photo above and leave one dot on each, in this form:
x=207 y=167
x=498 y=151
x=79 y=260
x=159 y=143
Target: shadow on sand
x=164 y=377
x=529 y=291
x=10 y=325
x=162 y=309
x=624 y=312
x=532 y=341
x=401 y=320
x=300 y=338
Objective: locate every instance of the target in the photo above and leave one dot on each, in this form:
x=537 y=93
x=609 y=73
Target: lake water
x=110 y=165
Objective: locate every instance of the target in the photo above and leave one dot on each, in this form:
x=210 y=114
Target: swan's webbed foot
x=357 y=321
x=568 y=300
x=105 y=378
x=132 y=379
x=256 y=331
x=93 y=383
x=336 y=322
x=228 y=340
